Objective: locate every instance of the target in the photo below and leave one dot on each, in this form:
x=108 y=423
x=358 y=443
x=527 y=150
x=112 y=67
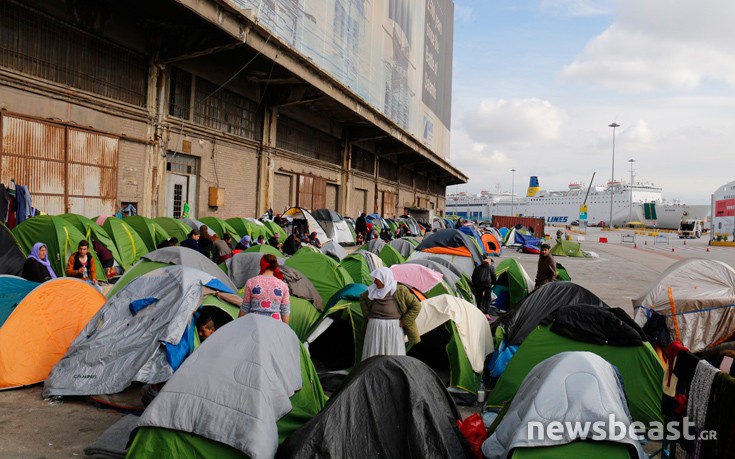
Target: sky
x=536 y=85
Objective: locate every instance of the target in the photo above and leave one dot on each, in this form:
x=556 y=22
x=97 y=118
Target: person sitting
x=81 y=264
x=221 y=250
x=205 y=326
x=206 y=242
x=260 y=240
x=292 y=243
x=275 y=242
x=192 y=240
x=360 y=239
x=314 y=240
x=105 y=256
x=37 y=267
x=267 y=293
x=244 y=243
x=306 y=240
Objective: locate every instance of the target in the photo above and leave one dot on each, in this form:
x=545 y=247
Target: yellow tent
x=41 y=328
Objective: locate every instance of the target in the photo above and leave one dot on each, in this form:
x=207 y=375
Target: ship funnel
x=533 y=187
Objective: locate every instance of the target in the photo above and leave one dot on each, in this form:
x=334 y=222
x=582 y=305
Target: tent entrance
x=432 y=350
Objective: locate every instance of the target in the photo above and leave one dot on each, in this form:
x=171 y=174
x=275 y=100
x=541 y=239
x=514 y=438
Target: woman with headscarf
x=205 y=241
x=390 y=310
x=37 y=267
x=267 y=294
x=244 y=243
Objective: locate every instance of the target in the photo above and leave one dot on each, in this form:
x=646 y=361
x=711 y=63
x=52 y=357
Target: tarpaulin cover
x=39 y=331
x=568 y=387
x=381 y=411
x=11 y=255
x=12 y=291
x=597 y=325
x=116 y=348
x=241 y=377
x=704 y=301
x=540 y=304
x=639 y=367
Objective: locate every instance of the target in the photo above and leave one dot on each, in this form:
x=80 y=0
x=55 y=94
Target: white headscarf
x=385 y=276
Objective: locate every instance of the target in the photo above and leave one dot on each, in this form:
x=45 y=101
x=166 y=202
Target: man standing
x=483 y=279
x=546 y=272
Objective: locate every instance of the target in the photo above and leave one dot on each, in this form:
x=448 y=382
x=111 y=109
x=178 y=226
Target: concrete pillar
x=266 y=163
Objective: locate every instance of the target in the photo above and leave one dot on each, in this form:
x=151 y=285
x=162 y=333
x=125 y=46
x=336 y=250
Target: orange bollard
x=645 y=242
x=672 y=249
x=635 y=246
x=685 y=242
x=707 y=249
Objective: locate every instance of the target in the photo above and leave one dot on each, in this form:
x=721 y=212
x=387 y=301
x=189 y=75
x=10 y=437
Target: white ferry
x=636 y=201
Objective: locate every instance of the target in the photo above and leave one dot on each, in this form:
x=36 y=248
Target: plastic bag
x=474 y=431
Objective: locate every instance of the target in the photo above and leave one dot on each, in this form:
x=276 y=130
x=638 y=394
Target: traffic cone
x=707 y=249
x=635 y=246
x=672 y=249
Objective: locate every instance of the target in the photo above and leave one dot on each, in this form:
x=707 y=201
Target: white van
x=690 y=229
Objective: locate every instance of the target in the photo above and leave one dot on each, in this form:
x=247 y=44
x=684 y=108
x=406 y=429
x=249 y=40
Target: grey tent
x=334 y=249
x=446 y=263
x=335 y=226
x=235 y=387
x=568 y=387
x=11 y=255
x=375 y=246
x=196 y=224
x=449 y=276
x=187 y=257
x=243 y=266
x=541 y=304
x=141 y=334
x=404 y=246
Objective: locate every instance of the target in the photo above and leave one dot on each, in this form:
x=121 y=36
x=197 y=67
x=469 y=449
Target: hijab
x=385 y=276
x=264 y=266
x=36 y=256
x=246 y=241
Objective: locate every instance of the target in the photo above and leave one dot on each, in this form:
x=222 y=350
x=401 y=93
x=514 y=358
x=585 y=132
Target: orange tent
x=40 y=329
x=492 y=245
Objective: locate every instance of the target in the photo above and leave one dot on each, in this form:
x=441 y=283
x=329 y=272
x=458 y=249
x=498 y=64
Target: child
x=205 y=326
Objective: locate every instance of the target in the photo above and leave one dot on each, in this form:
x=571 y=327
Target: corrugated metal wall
x=65 y=169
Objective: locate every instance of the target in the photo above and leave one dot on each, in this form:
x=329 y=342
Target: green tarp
x=61 y=239
x=175 y=228
x=151 y=232
x=564 y=248
x=326 y=275
x=639 y=367
x=129 y=245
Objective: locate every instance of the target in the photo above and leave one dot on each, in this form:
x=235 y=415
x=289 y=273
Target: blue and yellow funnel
x=533 y=187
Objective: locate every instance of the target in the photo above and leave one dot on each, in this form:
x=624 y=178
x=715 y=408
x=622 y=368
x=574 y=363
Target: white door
x=177 y=195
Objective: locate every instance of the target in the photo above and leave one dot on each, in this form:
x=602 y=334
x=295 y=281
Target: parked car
x=575 y=223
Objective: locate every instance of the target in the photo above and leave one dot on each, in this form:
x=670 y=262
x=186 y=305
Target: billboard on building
x=394 y=54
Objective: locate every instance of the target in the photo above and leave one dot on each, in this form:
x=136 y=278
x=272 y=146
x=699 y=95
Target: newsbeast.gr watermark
x=613 y=430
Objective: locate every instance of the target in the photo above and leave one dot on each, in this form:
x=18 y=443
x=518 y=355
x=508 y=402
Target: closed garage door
x=359 y=202
x=332 y=192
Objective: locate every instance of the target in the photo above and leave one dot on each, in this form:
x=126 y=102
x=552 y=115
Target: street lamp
x=612 y=190
x=630 y=209
x=513 y=193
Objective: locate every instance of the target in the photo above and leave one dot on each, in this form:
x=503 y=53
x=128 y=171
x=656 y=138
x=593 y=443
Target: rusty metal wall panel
x=22 y=137
x=91 y=206
x=52 y=205
x=41 y=177
x=92 y=148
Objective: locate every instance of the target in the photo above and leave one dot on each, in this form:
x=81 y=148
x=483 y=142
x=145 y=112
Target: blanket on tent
x=235 y=387
x=472 y=326
x=568 y=387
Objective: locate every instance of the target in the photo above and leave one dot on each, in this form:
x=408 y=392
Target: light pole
x=630 y=209
x=513 y=193
x=612 y=190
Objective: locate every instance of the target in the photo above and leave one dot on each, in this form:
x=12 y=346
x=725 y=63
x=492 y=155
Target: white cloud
x=578 y=7
x=517 y=121
x=463 y=14
x=656 y=45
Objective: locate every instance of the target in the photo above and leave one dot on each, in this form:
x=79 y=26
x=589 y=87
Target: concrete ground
x=34 y=428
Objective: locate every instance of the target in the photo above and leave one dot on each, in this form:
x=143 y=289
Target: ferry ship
x=632 y=201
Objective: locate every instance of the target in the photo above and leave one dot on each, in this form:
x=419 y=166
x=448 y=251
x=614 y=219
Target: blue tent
x=474 y=234
x=526 y=240
x=12 y=291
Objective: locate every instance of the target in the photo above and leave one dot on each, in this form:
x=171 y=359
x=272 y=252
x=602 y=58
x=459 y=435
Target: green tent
x=151 y=232
x=244 y=226
x=273 y=228
x=129 y=244
x=360 y=264
x=639 y=367
x=303 y=316
x=513 y=277
x=575 y=449
x=442 y=288
x=90 y=230
x=323 y=271
x=307 y=403
x=265 y=248
x=221 y=227
x=463 y=288
x=174 y=228
x=564 y=248
x=388 y=254
x=61 y=239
